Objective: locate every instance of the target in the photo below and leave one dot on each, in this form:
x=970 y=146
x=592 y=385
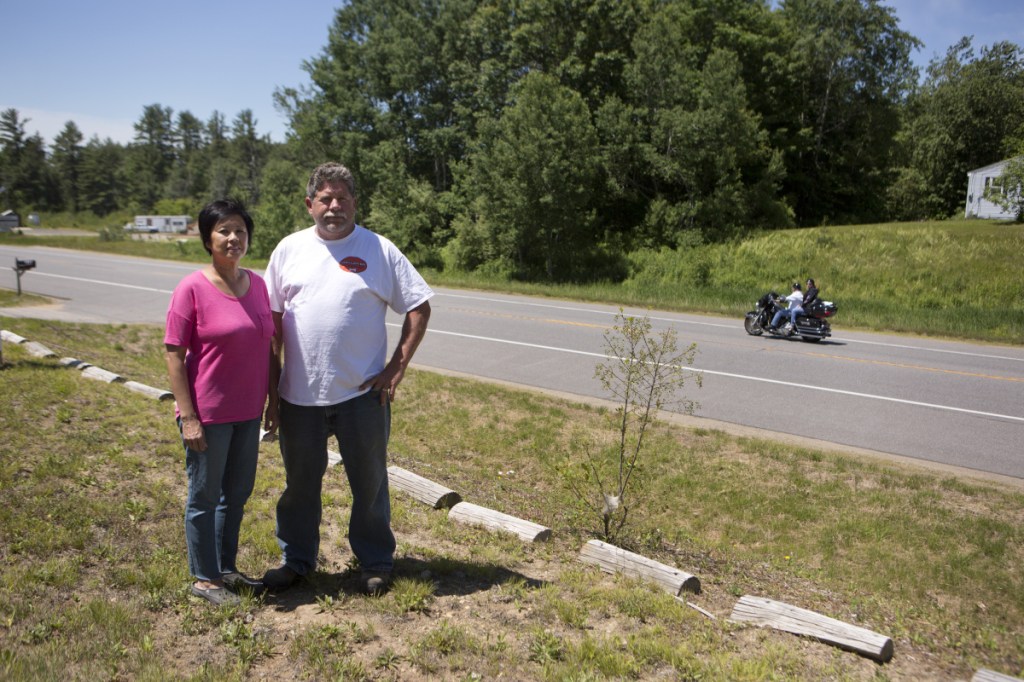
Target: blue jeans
x=220 y=481
x=792 y=313
x=362 y=426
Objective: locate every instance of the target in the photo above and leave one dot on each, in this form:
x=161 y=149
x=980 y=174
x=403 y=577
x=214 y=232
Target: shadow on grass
x=450 y=577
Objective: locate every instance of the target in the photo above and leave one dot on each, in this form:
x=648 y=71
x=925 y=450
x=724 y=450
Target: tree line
x=548 y=138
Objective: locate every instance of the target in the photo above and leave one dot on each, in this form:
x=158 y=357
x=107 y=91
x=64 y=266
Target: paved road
x=956 y=404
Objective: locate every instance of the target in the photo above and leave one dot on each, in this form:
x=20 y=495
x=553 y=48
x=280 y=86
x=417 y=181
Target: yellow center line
x=531 y=318
x=900 y=365
x=923 y=368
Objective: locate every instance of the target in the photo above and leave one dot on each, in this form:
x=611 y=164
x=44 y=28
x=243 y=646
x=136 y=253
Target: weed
x=412 y=596
x=387 y=659
x=545 y=647
x=325 y=603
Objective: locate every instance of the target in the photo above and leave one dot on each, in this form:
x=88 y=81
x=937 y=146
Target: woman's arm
x=191 y=429
x=270 y=421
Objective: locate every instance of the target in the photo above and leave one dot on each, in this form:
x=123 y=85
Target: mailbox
x=21 y=266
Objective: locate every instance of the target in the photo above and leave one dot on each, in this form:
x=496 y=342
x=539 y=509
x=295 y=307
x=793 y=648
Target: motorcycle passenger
x=811 y=295
x=795 y=301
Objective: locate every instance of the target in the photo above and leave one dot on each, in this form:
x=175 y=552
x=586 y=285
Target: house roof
x=998 y=165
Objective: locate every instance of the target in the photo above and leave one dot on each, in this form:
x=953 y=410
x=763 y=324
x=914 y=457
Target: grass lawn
x=94 y=582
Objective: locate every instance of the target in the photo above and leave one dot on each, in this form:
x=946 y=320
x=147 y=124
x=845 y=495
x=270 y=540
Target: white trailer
x=161 y=223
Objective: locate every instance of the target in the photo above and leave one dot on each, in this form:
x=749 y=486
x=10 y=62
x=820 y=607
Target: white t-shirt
x=795 y=299
x=334 y=295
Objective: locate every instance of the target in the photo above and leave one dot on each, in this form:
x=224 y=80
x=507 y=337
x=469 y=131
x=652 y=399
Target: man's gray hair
x=330 y=173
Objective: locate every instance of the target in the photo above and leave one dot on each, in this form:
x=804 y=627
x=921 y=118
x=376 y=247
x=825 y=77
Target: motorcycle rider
x=795 y=301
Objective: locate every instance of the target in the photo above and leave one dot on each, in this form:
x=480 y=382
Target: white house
x=978 y=182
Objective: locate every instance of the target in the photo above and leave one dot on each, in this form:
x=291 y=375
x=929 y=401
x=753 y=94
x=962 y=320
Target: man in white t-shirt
x=795 y=301
x=330 y=286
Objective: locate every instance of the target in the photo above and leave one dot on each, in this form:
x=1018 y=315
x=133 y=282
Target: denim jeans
x=220 y=480
x=791 y=312
x=362 y=426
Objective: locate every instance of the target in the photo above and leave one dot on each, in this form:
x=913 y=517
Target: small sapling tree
x=643 y=372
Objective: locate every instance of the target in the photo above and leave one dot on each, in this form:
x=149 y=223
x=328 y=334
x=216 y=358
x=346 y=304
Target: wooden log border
x=423 y=490
x=612 y=559
x=781 y=616
x=11 y=337
x=156 y=393
x=984 y=675
x=38 y=350
x=100 y=374
x=467 y=512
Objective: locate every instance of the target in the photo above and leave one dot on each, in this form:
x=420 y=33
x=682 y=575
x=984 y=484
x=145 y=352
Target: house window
x=994 y=185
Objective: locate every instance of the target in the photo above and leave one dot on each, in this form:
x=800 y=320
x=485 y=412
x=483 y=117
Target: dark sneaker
x=375 y=582
x=240 y=583
x=218 y=596
x=280 y=578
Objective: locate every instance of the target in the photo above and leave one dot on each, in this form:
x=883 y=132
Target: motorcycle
x=812 y=326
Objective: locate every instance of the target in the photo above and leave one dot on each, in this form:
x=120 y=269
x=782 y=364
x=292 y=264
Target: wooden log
x=799 y=621
x=38 y=350
x=466 y=512
x=612 y=559
x=156 y=393
x=984 y=675
x=333 y=458
x=73 y=363
x=423 y=490
x=100 y=374
x=11 y=337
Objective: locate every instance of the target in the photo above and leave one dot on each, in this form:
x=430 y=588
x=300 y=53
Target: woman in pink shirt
x=218 y=343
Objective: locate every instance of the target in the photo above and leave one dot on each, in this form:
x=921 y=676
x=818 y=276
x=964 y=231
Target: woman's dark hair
x=216 y=211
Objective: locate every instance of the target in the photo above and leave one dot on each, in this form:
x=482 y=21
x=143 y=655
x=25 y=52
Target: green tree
x=535 y=176
x=281 y=209
x=102 y=176
x=841 y=73
x=188 y=176
x=249 y=153
x=66 y=161
x=150 y=157
x=222 y=171
x=969 y=113
x=707 y=160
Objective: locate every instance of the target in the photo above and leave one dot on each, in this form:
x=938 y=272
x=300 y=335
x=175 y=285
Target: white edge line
x=99 y=281
x=744 y=377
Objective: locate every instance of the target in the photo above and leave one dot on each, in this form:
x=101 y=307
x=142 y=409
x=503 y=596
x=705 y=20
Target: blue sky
x=99 y=62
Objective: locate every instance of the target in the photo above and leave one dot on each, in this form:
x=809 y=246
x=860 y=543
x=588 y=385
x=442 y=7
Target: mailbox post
x=21 y=267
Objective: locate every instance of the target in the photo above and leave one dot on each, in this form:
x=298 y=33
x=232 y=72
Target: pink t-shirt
x=228 y=342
